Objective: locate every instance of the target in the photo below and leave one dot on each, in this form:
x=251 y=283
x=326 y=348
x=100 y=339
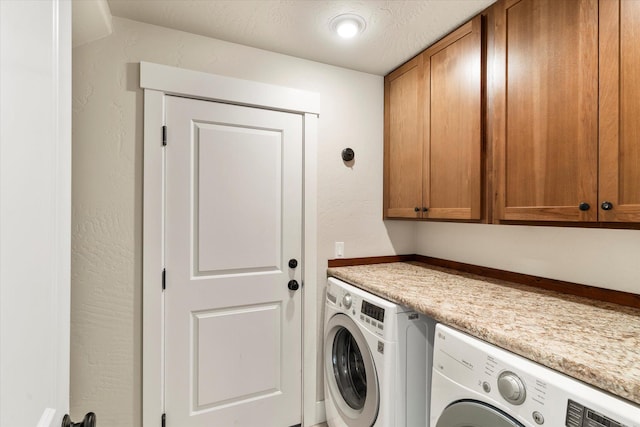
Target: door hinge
x=164 y=420
x=164 y=279
x=164 y=136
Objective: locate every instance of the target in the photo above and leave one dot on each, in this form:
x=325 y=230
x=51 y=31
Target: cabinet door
x=453 y=132
x=619 y=188
x=546 y=110
x=403 y=141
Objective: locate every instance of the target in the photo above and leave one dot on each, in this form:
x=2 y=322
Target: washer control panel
x=511 y=387
x=368 y=311
x=347 y=300
x=373 y=311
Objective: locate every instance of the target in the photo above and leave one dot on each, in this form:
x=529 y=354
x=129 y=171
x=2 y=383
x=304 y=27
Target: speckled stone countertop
x=596 y=342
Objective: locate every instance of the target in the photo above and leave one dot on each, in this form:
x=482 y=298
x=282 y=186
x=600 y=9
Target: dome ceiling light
x=348 y=25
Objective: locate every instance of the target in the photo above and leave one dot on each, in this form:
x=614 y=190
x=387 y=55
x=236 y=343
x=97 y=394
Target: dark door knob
x=425 y=209
x=293 y=263
x=606 y=206
x=348 y=154
x=584 y=206
x=293 y=285
x=89 y=420
x=416 y=209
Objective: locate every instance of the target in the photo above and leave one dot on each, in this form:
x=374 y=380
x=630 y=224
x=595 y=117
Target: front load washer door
x=350 y=372
x=471 y=413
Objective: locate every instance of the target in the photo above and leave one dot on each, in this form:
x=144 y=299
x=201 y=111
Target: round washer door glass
x=470 y=413
x=349 y=370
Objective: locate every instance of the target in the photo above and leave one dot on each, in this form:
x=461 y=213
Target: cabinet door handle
x=584 y=206
x=425 y=209
x=606 y=206
x=416 y=209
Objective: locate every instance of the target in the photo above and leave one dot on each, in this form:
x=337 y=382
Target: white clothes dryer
x=376 y=360
x=476 y=384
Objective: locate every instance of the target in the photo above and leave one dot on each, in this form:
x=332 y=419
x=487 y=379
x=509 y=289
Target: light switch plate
x=339 y=250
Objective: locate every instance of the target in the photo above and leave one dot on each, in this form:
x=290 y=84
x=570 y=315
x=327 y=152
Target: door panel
x=619 y=110
x=350 y=373
x=629 y=151
x=233 y=215
x=453 y=133
x=403 y=141
x=245 y=215
x=474 y=414
x=244 y=329
x=548 y=163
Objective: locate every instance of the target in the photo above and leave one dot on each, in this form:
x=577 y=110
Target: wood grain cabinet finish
x=442 y=162
x=403 y=141
x=619 y=169
x=566 y=110
x=545 y=110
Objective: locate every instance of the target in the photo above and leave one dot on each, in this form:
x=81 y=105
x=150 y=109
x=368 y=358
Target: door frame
x=157 y=81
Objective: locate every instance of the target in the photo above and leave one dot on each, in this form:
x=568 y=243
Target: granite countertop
x=596 y=342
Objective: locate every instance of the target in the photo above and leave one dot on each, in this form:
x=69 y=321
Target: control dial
x=347 y=301
x=511 y=388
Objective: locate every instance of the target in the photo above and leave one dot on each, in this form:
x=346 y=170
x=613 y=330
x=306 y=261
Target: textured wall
x=596 y=257
x=107 y=190
x=107 y=202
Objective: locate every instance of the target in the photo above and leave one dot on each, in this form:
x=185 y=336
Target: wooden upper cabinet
x=403 y=109
x=563 y=109
x=619 y=170
x=545 y=110
x=433 y=131
x=453 y=125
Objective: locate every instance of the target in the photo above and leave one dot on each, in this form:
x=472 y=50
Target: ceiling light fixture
x=348 y=25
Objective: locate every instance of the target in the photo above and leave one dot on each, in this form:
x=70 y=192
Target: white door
x=35 y=211
x=233 y=338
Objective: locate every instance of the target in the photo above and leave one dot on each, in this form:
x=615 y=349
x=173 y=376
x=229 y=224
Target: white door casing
x=158 y=81
x=233 y=208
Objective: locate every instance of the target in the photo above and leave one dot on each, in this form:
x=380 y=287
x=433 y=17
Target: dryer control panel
x=581 y=416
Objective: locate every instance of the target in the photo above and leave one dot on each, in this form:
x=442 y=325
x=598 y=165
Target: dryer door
x=471 y=413
x=350 y=372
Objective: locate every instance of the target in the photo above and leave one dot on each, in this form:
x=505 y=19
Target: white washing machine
x=376 y=360
x=475 y=384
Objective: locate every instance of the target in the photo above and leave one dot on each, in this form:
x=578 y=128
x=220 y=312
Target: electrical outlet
x=339 y=249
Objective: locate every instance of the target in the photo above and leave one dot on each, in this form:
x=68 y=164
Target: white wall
x=107 y=190
x=107 y=201
x=35 y=204
x=599 y=257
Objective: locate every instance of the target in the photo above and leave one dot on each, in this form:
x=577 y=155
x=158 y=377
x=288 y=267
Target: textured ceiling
x=396 y=30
